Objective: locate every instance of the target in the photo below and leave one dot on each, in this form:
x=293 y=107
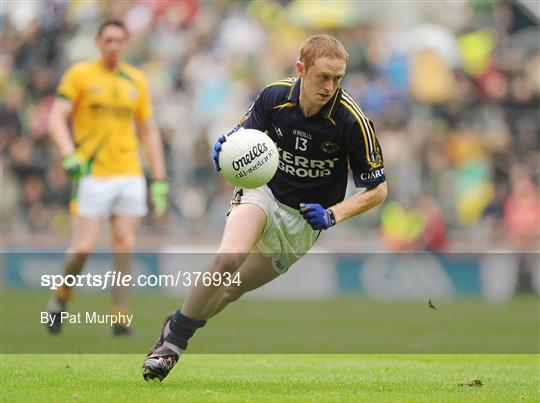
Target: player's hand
x=74 y=166
x=317 y=216
x=217 y=148
x=158 y=194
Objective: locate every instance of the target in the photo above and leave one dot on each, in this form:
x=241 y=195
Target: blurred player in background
x=107 y=101
x=321 y=133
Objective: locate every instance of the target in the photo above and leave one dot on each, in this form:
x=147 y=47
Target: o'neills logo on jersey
x=369 y=176
x=304 y=167
x=122 y=112
x=256 y=151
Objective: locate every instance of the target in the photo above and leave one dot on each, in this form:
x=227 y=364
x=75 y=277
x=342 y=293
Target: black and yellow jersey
x=106 y=105
x=316 y=152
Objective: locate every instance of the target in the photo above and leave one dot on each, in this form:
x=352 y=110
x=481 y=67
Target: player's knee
x=229 y=262
x=124 y=244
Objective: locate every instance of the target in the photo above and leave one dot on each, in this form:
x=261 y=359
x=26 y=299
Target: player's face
x=321 y=80
x=111 y=43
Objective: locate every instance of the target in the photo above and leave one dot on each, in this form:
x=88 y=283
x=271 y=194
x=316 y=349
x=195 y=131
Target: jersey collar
x=294 y=93
x=328 y=109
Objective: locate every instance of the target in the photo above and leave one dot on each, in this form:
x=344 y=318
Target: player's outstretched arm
x=360 y=203
x=320 y=218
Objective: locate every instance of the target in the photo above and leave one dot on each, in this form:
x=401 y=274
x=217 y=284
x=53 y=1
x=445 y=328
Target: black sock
x=182 y=328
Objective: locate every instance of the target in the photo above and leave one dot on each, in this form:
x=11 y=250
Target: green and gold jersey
x=106 y=105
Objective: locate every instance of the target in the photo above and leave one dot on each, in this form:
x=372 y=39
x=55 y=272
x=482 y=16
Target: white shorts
x=287 y=236
x=99 y=197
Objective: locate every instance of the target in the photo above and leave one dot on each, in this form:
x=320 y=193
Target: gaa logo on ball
x=248 y=159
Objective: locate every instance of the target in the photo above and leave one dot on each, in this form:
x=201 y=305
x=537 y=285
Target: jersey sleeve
x=143 y=111
x=364 y=153
x=70 y=86
x=258 y=116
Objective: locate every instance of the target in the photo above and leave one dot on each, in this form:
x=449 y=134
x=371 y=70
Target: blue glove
x=215 y=153
x=317 y=216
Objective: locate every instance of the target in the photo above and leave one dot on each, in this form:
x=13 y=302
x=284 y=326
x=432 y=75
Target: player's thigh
x=130 y=200
x=255 y=272
x=85 y=233
x=95 y=197
x=243 y=229
x=124 y=231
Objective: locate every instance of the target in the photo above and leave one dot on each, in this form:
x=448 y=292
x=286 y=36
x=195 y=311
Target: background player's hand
x=74 y=166
x=317 y=216
x=158 y=194
x=217 y=149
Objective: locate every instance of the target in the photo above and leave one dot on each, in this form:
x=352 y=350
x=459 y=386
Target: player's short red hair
x=322 y=46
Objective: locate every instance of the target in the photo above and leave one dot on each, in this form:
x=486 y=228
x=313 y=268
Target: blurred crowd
x=452 y=87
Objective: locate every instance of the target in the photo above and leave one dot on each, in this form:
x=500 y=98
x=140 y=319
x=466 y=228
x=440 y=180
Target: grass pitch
x=274 y=378
x=251 y=337
x=340 y=326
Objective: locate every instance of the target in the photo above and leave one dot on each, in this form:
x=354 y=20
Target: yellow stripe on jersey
x=285 y=105
x=292 y=89
x=369 y=134
x=329 y=114
x=246 y=117
x=347 y=97
x=286 y=82
x=366 y=141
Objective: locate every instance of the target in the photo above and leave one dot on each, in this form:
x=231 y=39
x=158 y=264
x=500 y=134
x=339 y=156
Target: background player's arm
x=360 y=203
x=59 y=128
x=149 y=133
x=153 y=148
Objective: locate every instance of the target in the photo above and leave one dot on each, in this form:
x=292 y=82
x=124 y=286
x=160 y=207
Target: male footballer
x=321 y=133
x=108 y=104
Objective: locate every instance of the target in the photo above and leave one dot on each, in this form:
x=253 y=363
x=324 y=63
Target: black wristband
x=332 y=217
